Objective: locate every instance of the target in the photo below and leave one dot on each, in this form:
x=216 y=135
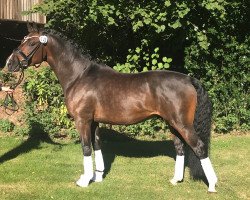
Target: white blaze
x=8 y=60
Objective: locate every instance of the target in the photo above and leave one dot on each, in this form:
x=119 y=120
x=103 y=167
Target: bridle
x=9 y=98
x=26 y=58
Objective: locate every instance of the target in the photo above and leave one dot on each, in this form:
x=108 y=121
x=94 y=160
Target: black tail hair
x=202 y=126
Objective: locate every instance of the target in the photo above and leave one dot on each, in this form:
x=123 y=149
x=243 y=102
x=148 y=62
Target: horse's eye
x=32 y=43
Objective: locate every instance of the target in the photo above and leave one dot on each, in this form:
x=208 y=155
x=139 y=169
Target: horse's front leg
x=99 y=164
x=84 y=128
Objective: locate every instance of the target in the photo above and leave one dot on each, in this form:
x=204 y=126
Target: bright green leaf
x=154 y=61
x=167 y=3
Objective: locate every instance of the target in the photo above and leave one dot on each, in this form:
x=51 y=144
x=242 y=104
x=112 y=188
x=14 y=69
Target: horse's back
x=154 y=78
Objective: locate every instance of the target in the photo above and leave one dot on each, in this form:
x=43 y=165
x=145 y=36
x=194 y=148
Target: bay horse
x=95 y=93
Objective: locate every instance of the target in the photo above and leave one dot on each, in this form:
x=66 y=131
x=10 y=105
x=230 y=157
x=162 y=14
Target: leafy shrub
x=7 y=77
x=22 y=130
x=6 y=125
x=224 y=67
x=139 y=60
x=45 y=102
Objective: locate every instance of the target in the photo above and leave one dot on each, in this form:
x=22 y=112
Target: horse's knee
x=87 y=151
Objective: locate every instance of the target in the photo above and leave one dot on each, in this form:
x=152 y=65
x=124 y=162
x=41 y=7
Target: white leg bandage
x=98 y=175
x=99 y=160
x=179 y=170
x=88 y=172
x=210 y=174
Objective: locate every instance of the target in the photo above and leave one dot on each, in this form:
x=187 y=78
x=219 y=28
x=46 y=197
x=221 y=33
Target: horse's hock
x=13 y=24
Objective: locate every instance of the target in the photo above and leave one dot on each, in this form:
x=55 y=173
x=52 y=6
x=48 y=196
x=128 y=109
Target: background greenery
x=207 y=39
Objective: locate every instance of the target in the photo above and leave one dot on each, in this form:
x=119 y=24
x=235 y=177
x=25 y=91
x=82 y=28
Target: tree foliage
x=207 y=39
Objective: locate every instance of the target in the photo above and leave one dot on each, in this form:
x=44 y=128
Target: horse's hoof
x=211 y=190
x=173 y=181
x=97 y=177
x=83 y=181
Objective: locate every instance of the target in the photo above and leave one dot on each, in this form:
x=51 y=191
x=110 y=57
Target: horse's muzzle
x=13 y=64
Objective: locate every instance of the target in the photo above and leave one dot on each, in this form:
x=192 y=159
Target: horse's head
x=30 y=52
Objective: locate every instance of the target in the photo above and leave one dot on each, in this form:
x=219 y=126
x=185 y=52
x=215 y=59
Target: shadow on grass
x=35 y=138
x=117 y=144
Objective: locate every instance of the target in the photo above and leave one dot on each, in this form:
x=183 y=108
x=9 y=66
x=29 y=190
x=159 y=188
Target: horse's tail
x=202 y=126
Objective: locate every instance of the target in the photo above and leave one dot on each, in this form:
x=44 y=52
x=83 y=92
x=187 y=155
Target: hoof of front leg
x=174 y=181
x=212 y=191
x=84 y=181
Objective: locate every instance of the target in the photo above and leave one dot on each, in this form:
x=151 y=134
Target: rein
x=10 y=103
x=12 y=39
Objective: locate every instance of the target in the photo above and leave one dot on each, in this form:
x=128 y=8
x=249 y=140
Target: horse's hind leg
x=96 y=143
x=179 y=162
x=193 y=140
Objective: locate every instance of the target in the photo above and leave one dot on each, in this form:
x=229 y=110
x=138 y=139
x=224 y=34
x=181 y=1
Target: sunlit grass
x=39 y=169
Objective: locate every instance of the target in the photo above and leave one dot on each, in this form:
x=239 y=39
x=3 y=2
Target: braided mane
x=71 y=45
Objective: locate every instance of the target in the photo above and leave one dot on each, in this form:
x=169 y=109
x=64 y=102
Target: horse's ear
x=35 y=28
x=29 y=27
x=32 y=27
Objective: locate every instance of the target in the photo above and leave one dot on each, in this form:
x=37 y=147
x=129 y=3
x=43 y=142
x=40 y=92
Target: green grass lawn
x=38 y=168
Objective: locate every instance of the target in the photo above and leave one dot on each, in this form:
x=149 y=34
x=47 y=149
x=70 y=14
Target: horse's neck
x=66 y=67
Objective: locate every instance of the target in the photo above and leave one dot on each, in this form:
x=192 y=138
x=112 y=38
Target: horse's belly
x=120 y=121
x=123 y=118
